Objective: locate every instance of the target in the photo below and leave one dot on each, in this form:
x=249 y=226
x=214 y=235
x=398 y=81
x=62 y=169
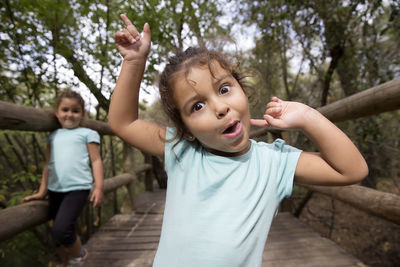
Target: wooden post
x=113 y=172
x=148 y=175
x=128 y=166
x=159 y=172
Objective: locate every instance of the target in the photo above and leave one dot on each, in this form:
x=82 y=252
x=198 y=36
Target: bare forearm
x=124 y=102
x=334 y=146
x=98 y=174
x=44 y=182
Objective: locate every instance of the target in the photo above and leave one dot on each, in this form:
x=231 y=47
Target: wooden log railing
x=373 y=101
x=20 y=218
x=23 y=118
x=381 y=204
x=382 y=98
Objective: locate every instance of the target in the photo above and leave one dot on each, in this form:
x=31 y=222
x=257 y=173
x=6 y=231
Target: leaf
x=96 y=221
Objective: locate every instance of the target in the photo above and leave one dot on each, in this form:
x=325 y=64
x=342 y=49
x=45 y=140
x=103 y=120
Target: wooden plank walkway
x=131 y=241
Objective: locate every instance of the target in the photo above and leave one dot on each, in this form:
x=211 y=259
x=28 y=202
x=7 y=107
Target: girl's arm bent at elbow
x=338 y=162
x=145 y=136
x=123 y=113
x=313 y=169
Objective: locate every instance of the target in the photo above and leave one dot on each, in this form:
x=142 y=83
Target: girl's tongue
x=233 y=130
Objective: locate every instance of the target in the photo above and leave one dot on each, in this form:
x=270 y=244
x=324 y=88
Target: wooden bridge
x=132 y=239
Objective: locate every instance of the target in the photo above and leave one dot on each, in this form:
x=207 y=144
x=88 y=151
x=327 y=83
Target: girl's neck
x=66 y=128
x=229 y=154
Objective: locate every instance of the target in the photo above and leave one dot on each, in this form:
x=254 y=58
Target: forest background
x=312 y=51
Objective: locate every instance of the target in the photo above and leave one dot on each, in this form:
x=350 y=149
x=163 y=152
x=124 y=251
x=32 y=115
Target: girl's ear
x=189 y=137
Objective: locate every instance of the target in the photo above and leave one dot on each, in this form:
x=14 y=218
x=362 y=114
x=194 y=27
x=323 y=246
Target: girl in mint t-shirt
x=67 y=176
x=223 y=188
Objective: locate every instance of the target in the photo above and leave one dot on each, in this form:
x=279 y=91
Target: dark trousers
x=65 y=207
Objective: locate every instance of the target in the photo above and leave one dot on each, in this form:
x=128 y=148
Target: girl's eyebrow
x=219 y=79
x=189 y=101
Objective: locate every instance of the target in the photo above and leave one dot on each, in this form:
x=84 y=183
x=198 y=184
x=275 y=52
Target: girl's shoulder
x=86 y=130
x=91 y=135
x=81 y=132
x=278 y=145
x=277 y=157
x=78 y=130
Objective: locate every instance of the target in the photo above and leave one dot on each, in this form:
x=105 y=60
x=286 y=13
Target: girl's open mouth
x=233 y=130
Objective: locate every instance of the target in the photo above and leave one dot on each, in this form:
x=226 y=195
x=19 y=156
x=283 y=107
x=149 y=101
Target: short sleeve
x=174 y=148
x=93 y=137
x=288 y=157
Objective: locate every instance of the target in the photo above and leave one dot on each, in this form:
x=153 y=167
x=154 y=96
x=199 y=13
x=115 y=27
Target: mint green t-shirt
x=219 y=209
x=69 y=167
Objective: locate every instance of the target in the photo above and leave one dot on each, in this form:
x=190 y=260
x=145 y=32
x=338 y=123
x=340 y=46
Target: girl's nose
x=221 y=110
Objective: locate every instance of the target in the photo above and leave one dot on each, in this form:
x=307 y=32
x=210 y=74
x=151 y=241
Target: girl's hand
x=97 y=197
x=284 y=115
x=130 y=44
x=32 y=197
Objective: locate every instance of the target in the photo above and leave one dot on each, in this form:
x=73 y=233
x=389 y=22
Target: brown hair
x=185 y=61
x=70 y=94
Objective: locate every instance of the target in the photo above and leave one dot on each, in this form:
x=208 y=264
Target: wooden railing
x=23 y=118
x=381 y=204
x=383 y=98
x=22 y=217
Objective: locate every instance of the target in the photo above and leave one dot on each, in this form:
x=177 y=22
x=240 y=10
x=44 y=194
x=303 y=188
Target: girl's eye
x=64 y=109
x=224 y=89
x=198 y=106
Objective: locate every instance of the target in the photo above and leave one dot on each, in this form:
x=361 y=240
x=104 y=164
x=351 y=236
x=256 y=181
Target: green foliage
x=353 y=38
x=44 y=40
x=10 y=188
x=22 y=249
x=50 y=45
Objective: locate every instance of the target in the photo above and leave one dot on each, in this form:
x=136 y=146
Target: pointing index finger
x=126 y=20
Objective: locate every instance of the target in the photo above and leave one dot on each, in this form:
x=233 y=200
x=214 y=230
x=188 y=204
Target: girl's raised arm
x=338 y=162
x=123 y=112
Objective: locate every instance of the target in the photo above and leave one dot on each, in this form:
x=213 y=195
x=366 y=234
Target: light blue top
x=219 y=209
x=69 y=167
